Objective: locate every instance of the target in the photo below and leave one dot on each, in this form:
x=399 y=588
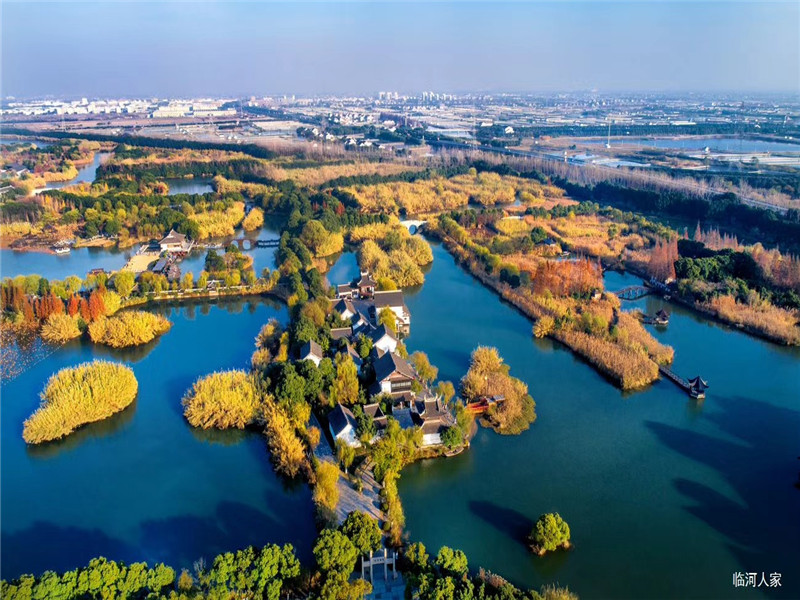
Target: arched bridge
x=633 y=292
x=413 y=226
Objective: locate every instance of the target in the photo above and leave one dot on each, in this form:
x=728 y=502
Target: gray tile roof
x=339 y=418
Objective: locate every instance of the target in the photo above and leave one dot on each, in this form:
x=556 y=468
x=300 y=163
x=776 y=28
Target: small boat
x=62 y=250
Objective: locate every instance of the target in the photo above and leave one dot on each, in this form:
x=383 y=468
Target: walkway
x=367 y=500
x=388 y=589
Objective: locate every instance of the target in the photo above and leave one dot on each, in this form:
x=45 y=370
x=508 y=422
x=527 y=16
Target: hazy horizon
x=190 y=49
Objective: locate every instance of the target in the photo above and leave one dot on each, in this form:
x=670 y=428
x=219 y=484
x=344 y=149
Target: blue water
x=39 y=143
x=144 y=485
x=189 y=186
x=81 y=260
x=666 y=496
x=86 y=174
x=714 y=144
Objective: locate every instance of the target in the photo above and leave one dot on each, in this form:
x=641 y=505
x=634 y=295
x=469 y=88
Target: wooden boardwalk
x=688 y=386
x=674 y=377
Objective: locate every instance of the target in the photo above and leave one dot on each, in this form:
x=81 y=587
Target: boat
x=62 y=250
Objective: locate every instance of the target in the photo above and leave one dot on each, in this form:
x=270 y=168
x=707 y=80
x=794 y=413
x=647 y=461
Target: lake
x=666 y=497
x=144 y=485
x=189 y=186
x=715 y=144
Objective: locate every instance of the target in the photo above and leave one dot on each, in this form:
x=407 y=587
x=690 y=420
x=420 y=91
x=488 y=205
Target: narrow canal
x=665 y=497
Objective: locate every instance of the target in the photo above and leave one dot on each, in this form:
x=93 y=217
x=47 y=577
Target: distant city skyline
x=186 y=49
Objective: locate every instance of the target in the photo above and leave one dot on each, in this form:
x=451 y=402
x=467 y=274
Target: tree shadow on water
x=762 y=522
x=49 y=547
x=97 y=430
x=506 y=520
x=180 y=541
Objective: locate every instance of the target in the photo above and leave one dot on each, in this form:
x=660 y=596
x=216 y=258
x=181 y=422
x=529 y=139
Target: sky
x=183 y=49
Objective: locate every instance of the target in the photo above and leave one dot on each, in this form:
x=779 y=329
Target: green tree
x=345 y=387
x=452 y=437
x=363 y=531
x=452 y=562
x=335 y=552
x=550 y=532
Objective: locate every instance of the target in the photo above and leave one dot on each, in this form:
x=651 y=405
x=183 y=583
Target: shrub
x=543 y=327
x=60 y=328
x=222 y=400
x=549 y=533
x=129 y=328
x=78 y=395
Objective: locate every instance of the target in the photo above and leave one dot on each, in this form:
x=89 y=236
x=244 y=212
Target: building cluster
x=153 y=107
x=396 y=389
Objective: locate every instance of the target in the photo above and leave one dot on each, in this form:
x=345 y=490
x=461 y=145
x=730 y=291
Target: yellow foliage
x=129 y=328
x=60 y=328
x=288 y=452
x=222 y=400
x=326 y=490
x=78 y=395
x=774 y=322
x=254 y=220
x=216 y=223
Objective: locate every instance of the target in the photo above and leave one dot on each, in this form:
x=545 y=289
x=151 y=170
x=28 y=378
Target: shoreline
x=505 y=296
x=711 y=314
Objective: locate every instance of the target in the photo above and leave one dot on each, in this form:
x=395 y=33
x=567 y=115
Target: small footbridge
x=248 y=244
x=413 y=226
x=633 y=292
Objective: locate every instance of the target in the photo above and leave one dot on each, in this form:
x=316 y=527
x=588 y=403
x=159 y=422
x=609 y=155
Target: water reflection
x=90 y=431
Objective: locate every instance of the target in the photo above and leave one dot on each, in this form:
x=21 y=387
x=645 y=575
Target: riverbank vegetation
x=391 y=254
x=488 y=376
x=564 y=297
x=440 y=193
x=274 y=572
x=79 y=395
x=746 y=286
x=447 y=576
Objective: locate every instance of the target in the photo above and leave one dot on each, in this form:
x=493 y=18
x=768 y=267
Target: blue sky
x=218 y=48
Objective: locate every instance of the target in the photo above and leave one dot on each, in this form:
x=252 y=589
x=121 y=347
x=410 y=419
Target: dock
x=695 y=387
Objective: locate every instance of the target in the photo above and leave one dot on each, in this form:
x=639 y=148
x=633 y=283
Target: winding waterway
x=144 y=485
x=666 y=497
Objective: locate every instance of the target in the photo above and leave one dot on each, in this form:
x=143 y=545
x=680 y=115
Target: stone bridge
x=413 y=226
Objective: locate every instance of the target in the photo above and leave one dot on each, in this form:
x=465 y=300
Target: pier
x=695 y=387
